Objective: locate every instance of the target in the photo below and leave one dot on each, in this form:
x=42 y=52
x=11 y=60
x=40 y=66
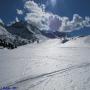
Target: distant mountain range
x=81 y=32
x=21 y=33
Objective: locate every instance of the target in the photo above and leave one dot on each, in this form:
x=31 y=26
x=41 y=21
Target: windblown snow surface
x=48 y=65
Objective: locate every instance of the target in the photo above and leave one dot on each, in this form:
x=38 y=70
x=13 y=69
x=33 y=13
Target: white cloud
x=36 y=14
x=44 y=20
x=75 y=24
x=33 y=7
x=87 y=21
x=20 y=12
x=55 y=22
x=17 y=20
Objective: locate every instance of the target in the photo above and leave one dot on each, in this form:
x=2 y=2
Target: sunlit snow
x=48 y=65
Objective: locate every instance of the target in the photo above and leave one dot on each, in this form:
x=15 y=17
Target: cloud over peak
x=48 y=21
x=75 y=24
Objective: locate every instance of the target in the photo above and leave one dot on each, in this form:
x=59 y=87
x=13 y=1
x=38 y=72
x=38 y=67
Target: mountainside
x=21 y=33
x=5 y=37
x=3 y=31
x=53 y=34
x=29 y=31
x=8 y=40
x=23 y=30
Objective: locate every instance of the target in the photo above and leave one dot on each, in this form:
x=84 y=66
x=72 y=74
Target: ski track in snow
x=60 y=64
x=46 y=76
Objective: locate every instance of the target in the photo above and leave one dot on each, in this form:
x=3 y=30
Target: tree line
x=8 y=45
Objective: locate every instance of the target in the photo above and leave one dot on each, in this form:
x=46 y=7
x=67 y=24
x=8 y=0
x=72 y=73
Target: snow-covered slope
x=3 y=31
x=46 y=66
x=5 y=35
x=78 y=42
x=7 y=40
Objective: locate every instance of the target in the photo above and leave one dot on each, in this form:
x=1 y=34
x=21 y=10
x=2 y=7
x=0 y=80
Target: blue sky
x=62 y=8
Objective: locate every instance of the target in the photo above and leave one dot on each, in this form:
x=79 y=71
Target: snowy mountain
x=22 y=29
x=29 y=31
x=21 y=33
x=32 y=33
x=5 y=36
x=3 y=31
x=8 y=40
x=53 y=34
